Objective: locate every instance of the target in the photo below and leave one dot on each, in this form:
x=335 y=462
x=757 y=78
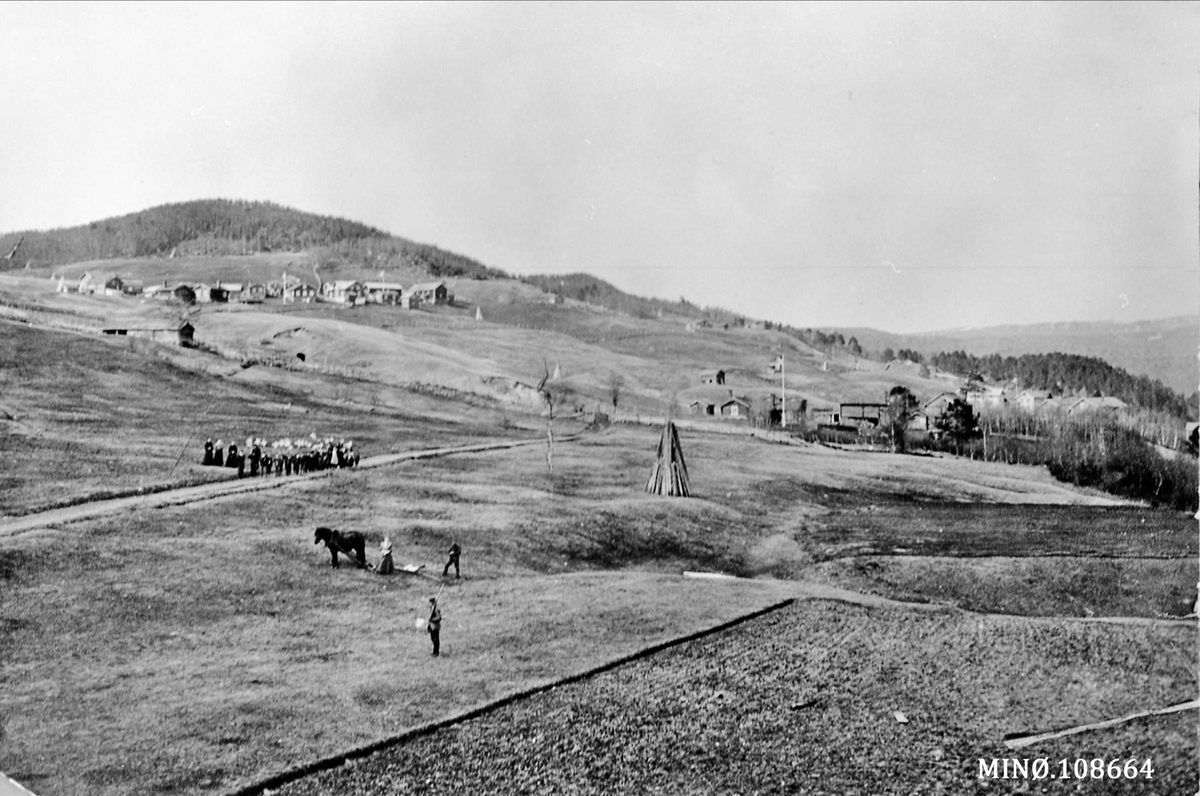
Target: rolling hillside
x=577 y=321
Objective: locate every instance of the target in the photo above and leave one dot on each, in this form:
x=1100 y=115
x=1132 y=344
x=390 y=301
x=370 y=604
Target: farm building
x=1094 y=404
x=1051 y=406
x=430 y=293
x=113 y=286
x=232 y=292
x=274 y=290
x=87 y=284
x=936 y=406
x=702 y=407
x=256 y=293
x=735 y=407
x=712 y=377
x=383 y=292
x=343 y=291
x=858 y=413
x=174 y=335
x=185 y=294
x=299 y=291
x=157 y=291
x=129 y=288
x=1029 y=400
x=987 y=398
x=825 y=416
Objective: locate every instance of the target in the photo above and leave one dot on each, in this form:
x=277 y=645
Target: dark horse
x=345 y=543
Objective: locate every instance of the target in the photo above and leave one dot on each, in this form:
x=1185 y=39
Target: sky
x=907 y=167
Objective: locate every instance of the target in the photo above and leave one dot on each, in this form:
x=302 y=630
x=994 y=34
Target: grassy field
x=803 y=702
x=218 y=632
x=195 y=648
x=92 y=416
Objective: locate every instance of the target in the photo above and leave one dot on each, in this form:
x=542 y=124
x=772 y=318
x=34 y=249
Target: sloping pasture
x=90 y=416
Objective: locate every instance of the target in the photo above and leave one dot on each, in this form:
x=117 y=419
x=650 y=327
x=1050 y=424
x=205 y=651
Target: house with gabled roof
x=735 y=407
x=1030 y=400
x=430 y=293
x=383 y=292
x=342 y=291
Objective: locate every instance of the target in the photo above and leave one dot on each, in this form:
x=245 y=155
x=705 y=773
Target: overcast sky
x=909 y=167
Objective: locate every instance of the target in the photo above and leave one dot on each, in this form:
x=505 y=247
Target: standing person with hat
x=255 y=456
x=434 y=626
x=455 y=552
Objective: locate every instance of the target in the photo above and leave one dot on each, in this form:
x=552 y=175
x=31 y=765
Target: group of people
x=433 y=625
x=282 y=457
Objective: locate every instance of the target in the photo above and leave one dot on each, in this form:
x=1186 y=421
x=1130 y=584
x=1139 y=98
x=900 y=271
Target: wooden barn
x=736 y=408
x=383 y=292
x=430 y=293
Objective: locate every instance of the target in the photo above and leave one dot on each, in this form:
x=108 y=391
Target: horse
x=344 y=543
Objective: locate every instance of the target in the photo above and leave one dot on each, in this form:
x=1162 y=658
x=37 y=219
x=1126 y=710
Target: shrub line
x=328 y=763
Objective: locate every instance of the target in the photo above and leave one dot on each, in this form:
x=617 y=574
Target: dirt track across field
x=193 y=494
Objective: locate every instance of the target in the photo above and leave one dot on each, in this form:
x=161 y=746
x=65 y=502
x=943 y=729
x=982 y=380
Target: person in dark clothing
x=435 y=626
x=219 y=455
x=455 y=552
x=255 y=457
x=208 y=452
x=231 y=457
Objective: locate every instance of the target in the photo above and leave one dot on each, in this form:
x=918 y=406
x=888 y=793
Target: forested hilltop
x=227 y=227
x=1065 y=374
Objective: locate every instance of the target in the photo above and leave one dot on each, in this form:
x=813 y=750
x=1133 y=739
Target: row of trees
x=1100 y=451
x=1069 y=373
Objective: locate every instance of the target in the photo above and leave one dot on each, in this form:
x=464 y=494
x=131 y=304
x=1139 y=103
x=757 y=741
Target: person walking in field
x=455 y=552
x=208 y=452
x=255 y=457
x=219 y=454
x=434 y=626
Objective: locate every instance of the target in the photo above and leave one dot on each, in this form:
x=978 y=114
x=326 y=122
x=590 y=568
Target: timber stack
x=669 y=476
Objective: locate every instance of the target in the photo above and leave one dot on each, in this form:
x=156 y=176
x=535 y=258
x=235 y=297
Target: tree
x=958 y=421
x=901 y=405
x=888 y=355
x=615 y=382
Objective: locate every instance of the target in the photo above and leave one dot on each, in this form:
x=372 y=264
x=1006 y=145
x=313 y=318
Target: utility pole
x=783 y=390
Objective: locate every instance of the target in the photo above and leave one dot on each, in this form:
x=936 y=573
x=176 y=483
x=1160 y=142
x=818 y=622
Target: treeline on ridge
x=1066 y=374
x=219 y=227
x=595 y=291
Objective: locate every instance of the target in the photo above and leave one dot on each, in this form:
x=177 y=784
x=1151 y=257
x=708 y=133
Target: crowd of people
x=281 y=457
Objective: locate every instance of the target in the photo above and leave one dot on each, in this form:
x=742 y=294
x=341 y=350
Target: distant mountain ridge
x=1163 y=349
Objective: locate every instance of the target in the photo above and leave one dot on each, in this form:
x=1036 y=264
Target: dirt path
x=193 y=494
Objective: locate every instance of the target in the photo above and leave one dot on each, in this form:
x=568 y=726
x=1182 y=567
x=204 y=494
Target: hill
x=221 y=227
x=1160 y=349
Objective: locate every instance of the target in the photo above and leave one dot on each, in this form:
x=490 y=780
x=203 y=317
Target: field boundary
x=335 y=761
x=1022 y=741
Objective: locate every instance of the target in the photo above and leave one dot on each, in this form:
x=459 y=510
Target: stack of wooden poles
x=670 y=475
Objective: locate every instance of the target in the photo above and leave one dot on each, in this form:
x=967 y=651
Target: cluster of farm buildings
x=858 y=414
x=350 y=292
x=986 y=399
